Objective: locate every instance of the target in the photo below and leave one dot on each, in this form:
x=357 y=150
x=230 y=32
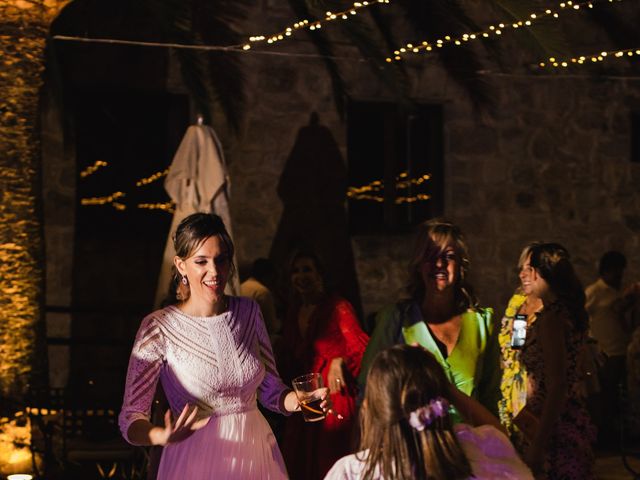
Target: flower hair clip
x=422 y=417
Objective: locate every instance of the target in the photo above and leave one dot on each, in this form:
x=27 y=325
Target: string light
x=311 y=24
x=110 y=199
x=402 y=182
x=420 y=197
x=167 y=206
x=152 y=178
x=493 y=30
x=592 y=58
x=91 y=169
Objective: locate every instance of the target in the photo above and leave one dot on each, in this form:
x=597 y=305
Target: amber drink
x=308 y=389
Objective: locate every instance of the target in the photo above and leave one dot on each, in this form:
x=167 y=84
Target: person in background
x=608 y=306
x=321 y=334
x=211 y=353
x=408 y=432
x=258 y=287
x=555 y=424
x=442 y=316
x=513 y=387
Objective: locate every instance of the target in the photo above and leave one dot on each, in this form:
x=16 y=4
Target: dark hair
x=192 y=232
x=402 y=379
x=311 y=255
x=612 y=261
x=553 y=263
x=438 y=234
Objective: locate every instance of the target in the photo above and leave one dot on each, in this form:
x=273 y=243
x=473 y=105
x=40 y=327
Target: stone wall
x=552 y=163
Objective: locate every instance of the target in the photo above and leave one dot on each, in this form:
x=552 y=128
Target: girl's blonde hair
x=403 y=379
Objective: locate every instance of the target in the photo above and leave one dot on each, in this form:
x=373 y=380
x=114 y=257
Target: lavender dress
x=221 y=364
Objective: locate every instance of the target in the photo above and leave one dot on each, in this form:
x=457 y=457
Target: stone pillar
x=24 y=25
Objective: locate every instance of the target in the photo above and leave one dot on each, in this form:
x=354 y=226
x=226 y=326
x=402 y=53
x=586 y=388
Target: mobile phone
x=519 y=332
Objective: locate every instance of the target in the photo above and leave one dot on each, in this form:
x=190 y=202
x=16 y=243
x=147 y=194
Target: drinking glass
x=309 y=391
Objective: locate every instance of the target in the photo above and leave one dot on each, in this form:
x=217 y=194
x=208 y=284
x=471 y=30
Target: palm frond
x=211 y=78
x=322 y=44
x=373 y=49
x=622 y=34
x=438 y=18
x=218 y=23
x=545 y=38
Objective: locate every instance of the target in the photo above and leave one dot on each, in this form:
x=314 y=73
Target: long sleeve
x=272 y=390
x=489 y=385
x=355 y=340
x=387 y=332
x=145 y=364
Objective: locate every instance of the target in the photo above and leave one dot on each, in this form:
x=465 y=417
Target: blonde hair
x=438 y=234
x=402 y=379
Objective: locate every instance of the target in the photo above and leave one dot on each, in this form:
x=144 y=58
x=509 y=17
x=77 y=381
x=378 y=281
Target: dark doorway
x=118 y=245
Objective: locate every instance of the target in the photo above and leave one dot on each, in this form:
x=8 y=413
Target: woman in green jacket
x=442 y=316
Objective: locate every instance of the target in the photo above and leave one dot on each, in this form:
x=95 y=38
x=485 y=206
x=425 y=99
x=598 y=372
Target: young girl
x=407 y=431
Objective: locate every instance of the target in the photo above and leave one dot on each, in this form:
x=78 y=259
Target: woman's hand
x=335 y=376
x=184 y=427
x=291 y=403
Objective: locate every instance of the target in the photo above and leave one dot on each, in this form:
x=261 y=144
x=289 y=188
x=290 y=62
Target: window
x=395 y=169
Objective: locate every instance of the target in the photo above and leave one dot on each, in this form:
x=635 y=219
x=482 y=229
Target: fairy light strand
x=107 y=200
x=402 y=182
x=152 y=178
x=589 y=59
x=311 y=24
x=91 y=169
x=166 y=206
x=493 y=30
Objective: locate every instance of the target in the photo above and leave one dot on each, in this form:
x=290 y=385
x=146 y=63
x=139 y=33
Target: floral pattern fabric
x=513 y=386
x=569 y=455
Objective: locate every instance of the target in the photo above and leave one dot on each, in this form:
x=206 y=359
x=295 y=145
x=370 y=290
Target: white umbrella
x=197 y=181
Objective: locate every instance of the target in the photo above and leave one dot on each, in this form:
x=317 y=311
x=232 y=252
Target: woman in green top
x=442 y=316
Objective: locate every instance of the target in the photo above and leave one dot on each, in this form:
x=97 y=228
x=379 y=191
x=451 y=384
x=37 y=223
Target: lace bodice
x=218 y=363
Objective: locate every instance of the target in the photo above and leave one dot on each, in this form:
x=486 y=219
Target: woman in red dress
x=321 y=334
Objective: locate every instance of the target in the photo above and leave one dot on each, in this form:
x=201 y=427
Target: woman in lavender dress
x=212 y=356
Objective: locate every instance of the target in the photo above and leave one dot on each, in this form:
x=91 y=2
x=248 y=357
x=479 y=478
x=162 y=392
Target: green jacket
x=474 y=363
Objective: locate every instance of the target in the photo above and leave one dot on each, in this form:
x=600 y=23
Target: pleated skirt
x=233 y=446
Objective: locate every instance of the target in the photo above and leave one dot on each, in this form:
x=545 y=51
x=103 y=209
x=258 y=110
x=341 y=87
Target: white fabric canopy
x=197 y=181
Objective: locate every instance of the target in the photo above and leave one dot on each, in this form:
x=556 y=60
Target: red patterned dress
x=569 y=455
x=310 y=449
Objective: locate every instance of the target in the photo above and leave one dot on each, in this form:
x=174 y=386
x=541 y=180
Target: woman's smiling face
x=207 y=270
x=305 y=277
x=440 y=269
x=526 y=273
